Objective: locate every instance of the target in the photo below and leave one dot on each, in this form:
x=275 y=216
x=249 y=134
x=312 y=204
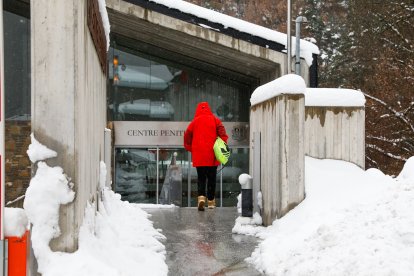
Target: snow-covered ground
x=352 y=222
x=119 y=239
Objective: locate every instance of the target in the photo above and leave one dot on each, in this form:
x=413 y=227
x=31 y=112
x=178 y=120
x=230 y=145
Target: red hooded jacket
x=201 y=134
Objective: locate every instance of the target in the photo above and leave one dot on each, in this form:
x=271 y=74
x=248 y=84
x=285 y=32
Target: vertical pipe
x=297 y=51
x=289 y=37
x=158 y=175
x=298 y=21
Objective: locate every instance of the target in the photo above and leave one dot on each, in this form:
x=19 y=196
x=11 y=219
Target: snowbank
x=407 y=172
x=352 y=222
x=334 y=97
x=117 y=240
x=287 y=84
x=248 y=226
x=15 y=222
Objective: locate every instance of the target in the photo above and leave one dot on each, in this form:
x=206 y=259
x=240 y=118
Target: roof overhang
x=158 y=32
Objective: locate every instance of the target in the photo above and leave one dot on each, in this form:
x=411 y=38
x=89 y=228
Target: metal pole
x=221 y=185
x=299 y=20
x=289 y=38
x=297 y=51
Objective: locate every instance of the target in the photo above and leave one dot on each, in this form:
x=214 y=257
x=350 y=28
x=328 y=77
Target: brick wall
x=18 y=166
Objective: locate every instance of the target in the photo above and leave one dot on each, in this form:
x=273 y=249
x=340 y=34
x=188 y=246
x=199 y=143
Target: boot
x=201 y=203
x=212 y=204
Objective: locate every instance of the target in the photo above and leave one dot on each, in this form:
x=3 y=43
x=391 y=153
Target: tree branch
x=396 y=113
x=374 y=147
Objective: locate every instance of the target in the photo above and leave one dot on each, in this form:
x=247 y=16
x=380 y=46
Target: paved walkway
x=201 y=243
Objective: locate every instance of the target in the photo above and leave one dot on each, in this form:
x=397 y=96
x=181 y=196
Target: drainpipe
x=289 y=38
x=299 y=20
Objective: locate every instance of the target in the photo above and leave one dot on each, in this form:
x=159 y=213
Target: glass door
x=165 y=176
x=136 y=175
x=172 y=176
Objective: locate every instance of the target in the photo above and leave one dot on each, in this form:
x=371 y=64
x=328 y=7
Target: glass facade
x=148 y=88
x=154 y=85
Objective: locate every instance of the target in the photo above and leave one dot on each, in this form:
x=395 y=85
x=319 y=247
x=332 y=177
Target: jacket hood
x=203 y=109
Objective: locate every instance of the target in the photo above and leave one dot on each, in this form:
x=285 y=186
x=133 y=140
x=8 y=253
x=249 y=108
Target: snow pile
x=407 y=172
x=48 y=189
x=306 y=48
x=334 y=97
x=38 y=151
x=287 y=84
x=239 y=210
x=105 y=20
x=102 y=175
x=15 y=222
x=244 y=178
x=259 y=200
x=117 y=240
x=248 y=226
x=352 y=222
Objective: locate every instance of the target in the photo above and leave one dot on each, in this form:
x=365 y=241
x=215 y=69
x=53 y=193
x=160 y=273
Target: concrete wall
x=68 y=102
x=280 y=121
x=336 y=133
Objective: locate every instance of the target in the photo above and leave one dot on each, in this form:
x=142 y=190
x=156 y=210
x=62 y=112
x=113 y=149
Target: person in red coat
x=199 y=139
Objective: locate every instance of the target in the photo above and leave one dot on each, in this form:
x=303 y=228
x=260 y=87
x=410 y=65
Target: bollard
x=247 y=197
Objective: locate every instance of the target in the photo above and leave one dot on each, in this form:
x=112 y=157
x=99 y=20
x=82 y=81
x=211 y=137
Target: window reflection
x=16 y=66
x=147 y=88
x=135 y=175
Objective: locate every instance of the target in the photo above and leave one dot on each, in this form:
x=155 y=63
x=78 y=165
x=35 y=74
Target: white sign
x=161 y=133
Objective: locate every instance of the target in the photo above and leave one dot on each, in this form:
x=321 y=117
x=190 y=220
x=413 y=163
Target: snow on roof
x=105 y=20
x=294 y=84
x=334 y=97
x=287 y=84
x=307 y=48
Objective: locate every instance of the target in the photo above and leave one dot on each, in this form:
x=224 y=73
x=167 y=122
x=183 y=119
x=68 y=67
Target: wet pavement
x=201 y=243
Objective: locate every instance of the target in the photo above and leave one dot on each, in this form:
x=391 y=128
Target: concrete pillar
x=280 y=121
x=68 y=102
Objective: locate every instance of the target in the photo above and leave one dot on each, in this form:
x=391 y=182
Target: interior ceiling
x=157 y=40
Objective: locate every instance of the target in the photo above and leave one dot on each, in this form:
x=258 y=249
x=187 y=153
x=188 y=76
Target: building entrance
x=161 y=175
x=152 y=97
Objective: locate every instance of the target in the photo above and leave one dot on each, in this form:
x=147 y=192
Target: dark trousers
x=209 y=174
